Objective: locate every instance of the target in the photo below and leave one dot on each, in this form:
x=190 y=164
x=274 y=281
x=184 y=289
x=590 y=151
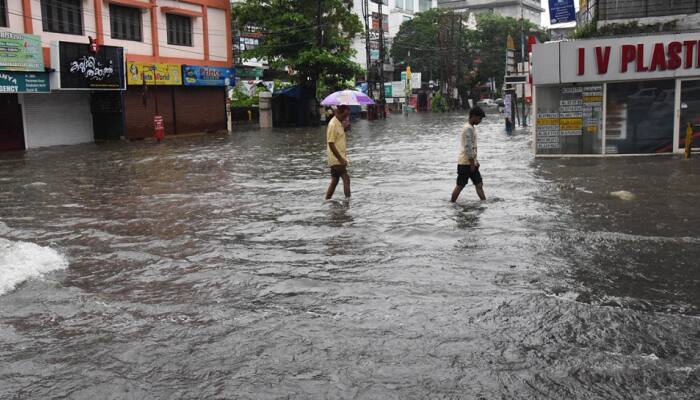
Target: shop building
x=86 y=48
x=616 y=96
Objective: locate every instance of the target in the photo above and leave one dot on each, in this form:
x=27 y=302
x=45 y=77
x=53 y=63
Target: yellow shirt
x=336 y=134
x=467 y=144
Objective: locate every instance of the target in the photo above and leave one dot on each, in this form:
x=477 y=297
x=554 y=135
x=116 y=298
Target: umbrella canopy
x=347 y=98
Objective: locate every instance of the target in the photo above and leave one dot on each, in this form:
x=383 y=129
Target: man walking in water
x=467 y=165
x=337 y=151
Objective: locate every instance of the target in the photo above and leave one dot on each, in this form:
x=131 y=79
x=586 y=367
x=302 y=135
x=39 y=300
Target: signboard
x=561 y=11
x=398 y=88
x=515 y=79
x=507 y=112
x=415 y=79
x=22 y=82
x=571 y=111
x=548 y=131
x=165 y=74
x=208 y=76
x=78 y=68
x=388 y=90
x=20 y=52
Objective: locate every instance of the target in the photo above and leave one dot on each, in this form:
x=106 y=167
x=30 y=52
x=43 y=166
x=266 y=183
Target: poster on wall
x=22 y=82
x=79 y=68
x=592 y=109
x=20 y=52
x=548 y=131
x=194 y=75
x=561 y=11
x=165 y=74
x=571 y=111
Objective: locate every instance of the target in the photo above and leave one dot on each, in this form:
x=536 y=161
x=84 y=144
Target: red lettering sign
x=640 y=59
x=629 y=53
x=581 y=61
x=689 y=47
x=602 y=59
x=658 y=58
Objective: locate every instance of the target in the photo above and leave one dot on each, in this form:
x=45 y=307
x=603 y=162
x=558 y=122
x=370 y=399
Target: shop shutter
x=57 y=118
x=200 y=109
x=138 y=119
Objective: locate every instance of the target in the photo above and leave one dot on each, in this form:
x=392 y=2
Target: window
x=3 y=14
x=62 y=16
x=424 y=5
x=179 y=30
x=125 y=22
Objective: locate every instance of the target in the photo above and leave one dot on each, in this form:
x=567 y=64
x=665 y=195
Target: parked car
x=486 y=103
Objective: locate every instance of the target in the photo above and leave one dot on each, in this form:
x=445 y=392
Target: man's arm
x=336 y=153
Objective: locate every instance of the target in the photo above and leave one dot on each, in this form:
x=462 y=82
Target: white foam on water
x=20 y=261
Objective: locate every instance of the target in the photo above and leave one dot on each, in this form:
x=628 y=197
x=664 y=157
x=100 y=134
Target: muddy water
x=212 y=268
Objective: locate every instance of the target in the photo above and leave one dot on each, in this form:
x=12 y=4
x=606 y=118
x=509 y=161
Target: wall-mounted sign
x=165 y=74
x=208 y=76
x=561 y=11
x=20 y=52
x=79 y=68
x=22 y=82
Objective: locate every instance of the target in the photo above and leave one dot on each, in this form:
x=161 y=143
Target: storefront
x=191 y=99
x=627 y=96
x=21 y=71
x=85 y=104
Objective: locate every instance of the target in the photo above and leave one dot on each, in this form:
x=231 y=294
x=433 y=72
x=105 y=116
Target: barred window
x=3 y=14
x=125 y=22
x=179 y=30
x=62 y=16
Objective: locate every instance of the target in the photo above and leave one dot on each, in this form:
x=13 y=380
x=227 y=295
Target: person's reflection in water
x=339 y=213
x=467 y=215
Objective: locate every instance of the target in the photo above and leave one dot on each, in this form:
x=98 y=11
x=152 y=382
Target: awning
x=181 y=11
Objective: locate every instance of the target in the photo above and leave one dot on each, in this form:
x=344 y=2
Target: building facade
x=685 y=13
x=111 y=66
x=529 y=9
x=617 y=96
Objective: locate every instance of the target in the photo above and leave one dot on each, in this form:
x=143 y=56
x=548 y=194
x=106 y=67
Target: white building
x=395 y=12
x=529 y=9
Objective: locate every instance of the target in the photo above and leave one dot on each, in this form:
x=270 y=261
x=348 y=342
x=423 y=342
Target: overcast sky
x=545 y=15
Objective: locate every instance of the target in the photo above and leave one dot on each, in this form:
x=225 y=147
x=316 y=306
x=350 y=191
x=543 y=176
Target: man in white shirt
x=467 y=164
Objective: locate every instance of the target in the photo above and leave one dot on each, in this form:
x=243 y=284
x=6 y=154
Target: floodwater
x=212 y=268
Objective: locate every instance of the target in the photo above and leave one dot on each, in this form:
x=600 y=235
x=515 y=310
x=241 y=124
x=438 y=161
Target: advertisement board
x=415 y=79
x=561 y=11
x=165 y=74
x=23 y=82
x=79 y=68
x=195 y=75
x=20 y=52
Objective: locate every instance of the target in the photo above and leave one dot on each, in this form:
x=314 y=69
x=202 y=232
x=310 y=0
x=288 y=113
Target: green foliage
x=439 y=103
x=419 y=36
x=593 y=30
x=290 y=29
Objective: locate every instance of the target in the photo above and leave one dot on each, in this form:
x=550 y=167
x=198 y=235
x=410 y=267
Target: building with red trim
x=167 y=57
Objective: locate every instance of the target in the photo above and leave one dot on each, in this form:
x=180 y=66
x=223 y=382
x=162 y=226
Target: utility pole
x=522 y=58
x=380 y=65
x=368 y=48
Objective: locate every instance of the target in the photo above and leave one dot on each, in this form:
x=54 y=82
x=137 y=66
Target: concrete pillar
x=265 y=107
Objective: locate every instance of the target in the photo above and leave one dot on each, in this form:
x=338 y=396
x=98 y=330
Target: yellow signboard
x=165 y=74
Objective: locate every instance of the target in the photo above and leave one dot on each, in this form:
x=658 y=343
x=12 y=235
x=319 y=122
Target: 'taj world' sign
x=640 y=58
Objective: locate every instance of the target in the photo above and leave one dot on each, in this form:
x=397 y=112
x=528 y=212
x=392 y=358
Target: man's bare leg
x=346 y=185
x=331 y=187
x=456 y=192
x=480 y=191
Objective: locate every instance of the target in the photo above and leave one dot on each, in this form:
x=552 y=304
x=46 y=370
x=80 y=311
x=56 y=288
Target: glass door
x=690 y=113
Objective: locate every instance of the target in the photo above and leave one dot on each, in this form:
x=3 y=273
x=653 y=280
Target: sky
x=545 y=15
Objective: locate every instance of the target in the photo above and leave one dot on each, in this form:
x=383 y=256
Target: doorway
x=689 y=113
x=11 y=128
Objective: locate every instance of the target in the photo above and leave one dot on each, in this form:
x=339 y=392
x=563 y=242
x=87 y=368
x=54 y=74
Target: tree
x=416 y=43
x=310 y=37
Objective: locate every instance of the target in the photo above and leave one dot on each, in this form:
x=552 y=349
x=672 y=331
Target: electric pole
x=522 y=58
x=380 y=64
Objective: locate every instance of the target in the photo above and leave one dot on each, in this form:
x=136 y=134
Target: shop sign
x=208 y=76
x=249 y=72
x=22 y=82
x=165 y=74
x=561 y=11
x=79 y=68
x=388 y=92
x=617 y=59
x=20 y=52
x=415 y=79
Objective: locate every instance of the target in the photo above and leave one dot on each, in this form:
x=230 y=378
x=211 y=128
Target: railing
x=628 y=9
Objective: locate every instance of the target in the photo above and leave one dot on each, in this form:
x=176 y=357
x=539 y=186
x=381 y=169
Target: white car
x=486 y=103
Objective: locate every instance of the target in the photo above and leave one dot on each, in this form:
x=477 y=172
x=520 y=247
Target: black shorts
x=338 y=170
x=464 y=174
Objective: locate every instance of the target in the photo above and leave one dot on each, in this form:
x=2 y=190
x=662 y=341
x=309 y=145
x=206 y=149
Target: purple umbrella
x=347 y=98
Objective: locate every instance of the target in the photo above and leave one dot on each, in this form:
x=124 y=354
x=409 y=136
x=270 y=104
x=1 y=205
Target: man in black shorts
x=467 y=164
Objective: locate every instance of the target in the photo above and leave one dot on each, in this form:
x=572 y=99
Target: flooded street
x=211 y=267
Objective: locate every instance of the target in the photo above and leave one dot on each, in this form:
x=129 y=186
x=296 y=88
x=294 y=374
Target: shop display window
x=569 y=119
x=640 y=117
x=690 y=112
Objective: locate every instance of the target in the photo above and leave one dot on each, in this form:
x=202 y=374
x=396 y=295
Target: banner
x=561 y=11
x=208 y=76
x=21 y=82
x=165 y=74
x=20 y=52
x=415 y=79
x=79 y=68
